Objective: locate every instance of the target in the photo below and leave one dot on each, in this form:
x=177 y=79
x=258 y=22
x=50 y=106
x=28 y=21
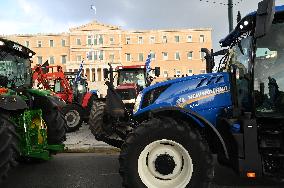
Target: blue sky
x=42 y=16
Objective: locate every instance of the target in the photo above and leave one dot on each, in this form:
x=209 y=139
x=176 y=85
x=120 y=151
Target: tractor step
x=59 y=147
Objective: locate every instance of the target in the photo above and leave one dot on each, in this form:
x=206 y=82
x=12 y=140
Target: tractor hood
x=126 y=86
x=201 y=93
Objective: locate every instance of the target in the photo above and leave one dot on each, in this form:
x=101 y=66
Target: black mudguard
x=12 y=102
x=48 y=102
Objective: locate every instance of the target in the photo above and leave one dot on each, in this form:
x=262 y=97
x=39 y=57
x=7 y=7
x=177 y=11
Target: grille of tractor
x=151 y=96
x=126 y=94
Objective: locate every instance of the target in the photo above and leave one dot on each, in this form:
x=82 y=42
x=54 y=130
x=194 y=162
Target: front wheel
x=73 y=116
x=164 y=153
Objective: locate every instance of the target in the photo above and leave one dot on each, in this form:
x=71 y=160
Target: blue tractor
x=236 y=113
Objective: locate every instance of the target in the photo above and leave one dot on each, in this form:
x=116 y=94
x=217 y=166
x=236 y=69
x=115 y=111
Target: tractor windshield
x=127 y=76
x=269 y=71
x=16 y=69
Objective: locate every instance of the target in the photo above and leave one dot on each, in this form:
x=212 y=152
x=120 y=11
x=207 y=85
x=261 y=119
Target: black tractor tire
x=166 y=132
x=96 y=118
x=73 y=115
x=56 y=126
x=9 y=151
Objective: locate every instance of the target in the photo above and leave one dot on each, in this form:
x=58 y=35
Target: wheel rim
x=73 y=118
x=165 y=163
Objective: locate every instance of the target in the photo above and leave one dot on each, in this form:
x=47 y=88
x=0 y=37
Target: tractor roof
x=131 y=67
x=237 y=32
x=15 y=48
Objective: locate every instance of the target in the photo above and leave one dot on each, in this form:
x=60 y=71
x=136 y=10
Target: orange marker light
x=251 y=174
x=3 y=90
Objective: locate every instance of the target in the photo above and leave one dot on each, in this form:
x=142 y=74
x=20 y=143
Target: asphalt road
x=89 y=170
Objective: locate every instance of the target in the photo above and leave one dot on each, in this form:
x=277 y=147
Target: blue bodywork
x=94 y=92
x=205 y=94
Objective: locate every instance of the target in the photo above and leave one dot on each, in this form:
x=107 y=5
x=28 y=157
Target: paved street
x=89 y=170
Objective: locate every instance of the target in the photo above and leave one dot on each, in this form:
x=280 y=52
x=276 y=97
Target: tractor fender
x=187 y=115
x=48 y=102
x=12 y=102
x=86 y=99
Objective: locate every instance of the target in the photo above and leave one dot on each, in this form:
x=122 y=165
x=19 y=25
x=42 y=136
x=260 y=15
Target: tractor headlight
x=137 y=103
x=1 y=43
x=80 y=87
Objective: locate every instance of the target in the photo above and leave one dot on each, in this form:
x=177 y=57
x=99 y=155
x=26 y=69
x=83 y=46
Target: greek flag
x=147 y=63
x=78 y=75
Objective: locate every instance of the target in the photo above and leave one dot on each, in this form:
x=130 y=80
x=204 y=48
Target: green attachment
x=33 y=135
x=39 y=92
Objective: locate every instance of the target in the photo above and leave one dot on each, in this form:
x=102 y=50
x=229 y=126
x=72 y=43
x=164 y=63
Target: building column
x=96 y=74
x=102 y=74
x=91 y=75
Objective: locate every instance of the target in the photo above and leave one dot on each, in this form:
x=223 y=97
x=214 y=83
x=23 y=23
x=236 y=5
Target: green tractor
x=31 y=124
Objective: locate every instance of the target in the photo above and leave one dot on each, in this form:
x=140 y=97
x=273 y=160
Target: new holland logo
x=182 y=102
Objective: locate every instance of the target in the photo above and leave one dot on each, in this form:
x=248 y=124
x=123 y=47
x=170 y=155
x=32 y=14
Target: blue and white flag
x=78 y=75
x=147 y=63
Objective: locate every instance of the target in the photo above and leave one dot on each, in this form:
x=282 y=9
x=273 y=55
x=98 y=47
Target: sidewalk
x=83 y=141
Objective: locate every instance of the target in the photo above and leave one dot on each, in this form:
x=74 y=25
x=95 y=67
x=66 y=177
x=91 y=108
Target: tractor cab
x=15 y=65
x=131 y=80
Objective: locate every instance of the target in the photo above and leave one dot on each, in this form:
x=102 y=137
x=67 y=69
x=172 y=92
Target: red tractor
x=73 y=91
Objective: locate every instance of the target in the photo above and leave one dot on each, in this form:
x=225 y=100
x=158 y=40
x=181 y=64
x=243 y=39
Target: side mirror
x=264 y=17
x=157 y=71
x=105 y=73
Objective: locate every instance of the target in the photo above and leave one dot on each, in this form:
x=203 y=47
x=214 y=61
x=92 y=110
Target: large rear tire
x=9 y=150
x=56 y=126
x=73 y=115
x=162 y=152
x=96 y=118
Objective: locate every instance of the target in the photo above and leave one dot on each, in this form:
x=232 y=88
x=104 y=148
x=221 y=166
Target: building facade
x=175 y=51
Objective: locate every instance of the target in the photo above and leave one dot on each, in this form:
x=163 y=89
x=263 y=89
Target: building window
x=39 y=59
x=178 y=73
x=165 y=55
x=78 y=41
x=176 y=38
x=95 y=55
x=51 y=59
x=165 y=40
x=90 y=56
x=202 y=55
x=140 y=57
x=152 y=40
x=190 y=72
x=128 y=57
x=111 y=40
x=95 y=40
x=127 y=40
x=201 y=39
x=202 y=71
x=166 y=74
x=51 y=43
x=63 y=59
x=39 y=43
x=153 y=56
x=79 y=58
x=89 y=40
x=140 y=40
x=189 y=38
x=101 y=40
x=190 y=55
x=177 y=56
x=111 y=56
x=63 y=42
x=27 y=44
x=101 y=55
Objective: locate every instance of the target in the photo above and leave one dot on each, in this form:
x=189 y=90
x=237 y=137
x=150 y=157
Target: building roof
x=94 y=25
